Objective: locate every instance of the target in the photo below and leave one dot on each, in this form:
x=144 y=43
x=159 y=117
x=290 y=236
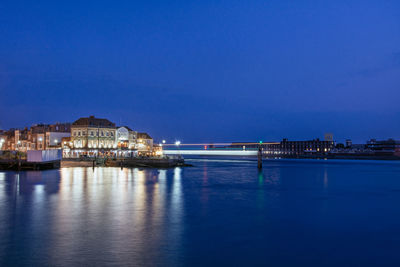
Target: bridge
x=213 y=149
x=212 y=152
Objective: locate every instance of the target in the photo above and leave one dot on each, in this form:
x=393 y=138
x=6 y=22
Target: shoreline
x=23 y=165
x=346 y=157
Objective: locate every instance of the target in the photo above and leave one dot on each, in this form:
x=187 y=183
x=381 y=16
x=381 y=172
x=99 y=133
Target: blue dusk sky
x=205 y=70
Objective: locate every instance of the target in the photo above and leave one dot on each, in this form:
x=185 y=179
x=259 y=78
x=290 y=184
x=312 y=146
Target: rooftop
x=129 y=129
x=94 y=122
x=143 y=136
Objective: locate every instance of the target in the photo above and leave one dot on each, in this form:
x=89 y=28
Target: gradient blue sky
x=205 y=70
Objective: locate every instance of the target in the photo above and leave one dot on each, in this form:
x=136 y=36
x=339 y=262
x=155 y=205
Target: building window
x=91 y=133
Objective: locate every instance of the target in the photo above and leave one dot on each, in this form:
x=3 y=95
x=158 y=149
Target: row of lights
x=177 y=143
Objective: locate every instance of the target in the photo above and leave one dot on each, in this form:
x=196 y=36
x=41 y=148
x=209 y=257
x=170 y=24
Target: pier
x=23 y=165
x=212 y=152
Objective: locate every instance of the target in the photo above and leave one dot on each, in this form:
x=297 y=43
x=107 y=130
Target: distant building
x=328 y=137
x=349 y=143
x=294 y=148
x=389 y=146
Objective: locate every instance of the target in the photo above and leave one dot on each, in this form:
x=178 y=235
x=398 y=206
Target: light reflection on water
x=102 y=216
x=216 y=213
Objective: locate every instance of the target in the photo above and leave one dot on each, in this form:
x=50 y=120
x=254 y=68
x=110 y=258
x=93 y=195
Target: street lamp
x=163 y=141
x=177 y=143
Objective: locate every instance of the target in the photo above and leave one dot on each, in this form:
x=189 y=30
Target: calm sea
x=217 y=213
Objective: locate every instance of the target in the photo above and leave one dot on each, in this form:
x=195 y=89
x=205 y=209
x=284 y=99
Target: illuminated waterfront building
x=2 y=139
x=8 y=140
x=126 y=138
x=93 y=136
x=144 y=142
x=93 y=133
x=22 y=140
x=89 y=136
x=48 y=136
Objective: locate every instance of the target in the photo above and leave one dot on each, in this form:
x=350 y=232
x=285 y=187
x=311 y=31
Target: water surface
x=220 y=212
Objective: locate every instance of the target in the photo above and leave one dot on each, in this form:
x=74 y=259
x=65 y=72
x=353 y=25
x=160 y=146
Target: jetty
x=24 y=165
